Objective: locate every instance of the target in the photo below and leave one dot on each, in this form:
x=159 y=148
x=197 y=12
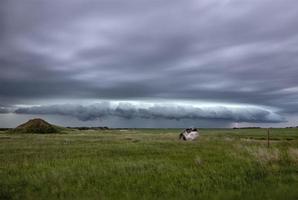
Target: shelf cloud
x=226 y=51
x=157 y=111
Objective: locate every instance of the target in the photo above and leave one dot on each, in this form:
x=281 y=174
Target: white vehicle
x=189 y=134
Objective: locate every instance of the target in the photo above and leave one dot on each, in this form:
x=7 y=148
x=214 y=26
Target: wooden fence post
x=268 y=137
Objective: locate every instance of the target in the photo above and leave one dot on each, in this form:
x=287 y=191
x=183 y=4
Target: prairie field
x=149 y=164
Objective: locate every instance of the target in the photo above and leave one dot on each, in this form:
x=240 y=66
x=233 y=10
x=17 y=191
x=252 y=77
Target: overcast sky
x=157 y=63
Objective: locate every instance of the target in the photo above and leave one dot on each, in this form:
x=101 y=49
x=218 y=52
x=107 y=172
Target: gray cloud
x=225 y=51
x=4 y=110
x=156 y=111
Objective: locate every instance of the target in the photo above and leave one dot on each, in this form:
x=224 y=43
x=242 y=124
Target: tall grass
x=149 y=164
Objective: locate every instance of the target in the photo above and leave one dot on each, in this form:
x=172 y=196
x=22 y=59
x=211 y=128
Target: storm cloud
x=224 y=51
x=166 y=111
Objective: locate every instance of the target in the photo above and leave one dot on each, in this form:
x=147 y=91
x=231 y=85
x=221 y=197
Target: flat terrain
x=149 y=164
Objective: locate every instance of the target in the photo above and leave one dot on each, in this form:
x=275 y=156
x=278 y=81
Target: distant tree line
x=256 y=127
x=89 y=128
x=260 y=127
x=5 y=129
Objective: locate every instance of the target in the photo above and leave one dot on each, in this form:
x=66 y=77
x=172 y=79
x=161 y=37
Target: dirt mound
x=37 y=126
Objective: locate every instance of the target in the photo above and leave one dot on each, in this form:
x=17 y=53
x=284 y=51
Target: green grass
x=149 y=164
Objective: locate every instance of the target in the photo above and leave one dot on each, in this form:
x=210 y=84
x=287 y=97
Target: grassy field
x=149 y=164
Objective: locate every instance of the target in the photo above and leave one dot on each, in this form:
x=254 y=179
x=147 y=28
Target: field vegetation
x=149 y=164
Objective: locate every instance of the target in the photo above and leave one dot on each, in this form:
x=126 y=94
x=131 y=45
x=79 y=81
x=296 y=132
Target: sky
x=158 y=63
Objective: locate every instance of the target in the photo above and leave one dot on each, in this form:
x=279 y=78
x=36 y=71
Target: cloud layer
x=157 y=111
x=228 y=51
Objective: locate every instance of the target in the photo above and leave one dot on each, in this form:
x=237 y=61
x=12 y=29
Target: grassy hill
x=37 y=126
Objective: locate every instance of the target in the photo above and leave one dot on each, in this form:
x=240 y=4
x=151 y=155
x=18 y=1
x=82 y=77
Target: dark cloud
x=225 y=51
x=156 y=111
